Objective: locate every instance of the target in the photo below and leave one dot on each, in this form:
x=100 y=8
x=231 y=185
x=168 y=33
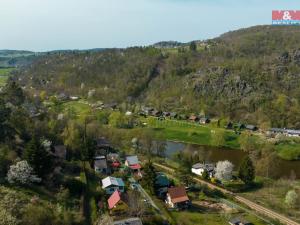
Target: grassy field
x=272 y=195
x=288 y=151
x=191 y=218
x=191 y=132
x=4 y=73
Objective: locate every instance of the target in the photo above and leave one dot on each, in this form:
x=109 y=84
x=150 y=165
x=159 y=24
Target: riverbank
x=211 y=135
x=191 y=133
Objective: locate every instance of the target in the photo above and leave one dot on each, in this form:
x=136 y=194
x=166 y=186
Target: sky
x=42 y=25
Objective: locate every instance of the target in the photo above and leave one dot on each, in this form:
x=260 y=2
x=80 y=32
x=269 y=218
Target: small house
x=251 y=127
x=194 y=118
x=146 y=111
x=293 y=133
x=115 y=203
x=62 y=97
x=238 y=221
x=100 y=165
x=112 y=184
x=204 y=120
x=173 y=115
x=129 y=221
x=60 y=152
x=133 y=163
x=156 y=113
x=114 y=160
x=277 y=130
x=199 y=168
x=161 y=184
x=177 y=198
x=166 y=114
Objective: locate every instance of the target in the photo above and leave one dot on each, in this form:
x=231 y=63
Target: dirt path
x=250 y=204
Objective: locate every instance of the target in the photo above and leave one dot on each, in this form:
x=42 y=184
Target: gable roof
x=112 y=181
x=178 y=194
x=251 y=127
x=100 y=164
x=207 y=166
x=132 y=160
x=113 y=199
x=162 y=180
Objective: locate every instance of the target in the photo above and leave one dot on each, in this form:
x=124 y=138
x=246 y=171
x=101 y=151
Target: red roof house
x=115 y=203
x=177 y=197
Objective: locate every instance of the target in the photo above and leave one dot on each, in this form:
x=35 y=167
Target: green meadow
x=4 y=74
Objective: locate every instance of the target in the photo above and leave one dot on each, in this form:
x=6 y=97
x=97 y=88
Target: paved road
x=265 y=211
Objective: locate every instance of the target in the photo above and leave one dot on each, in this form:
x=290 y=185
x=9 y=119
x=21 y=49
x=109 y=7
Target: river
x=283 y=168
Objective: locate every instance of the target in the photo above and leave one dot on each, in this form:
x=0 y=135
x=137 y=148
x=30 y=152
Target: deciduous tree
x=224 y=170
x=22 y=173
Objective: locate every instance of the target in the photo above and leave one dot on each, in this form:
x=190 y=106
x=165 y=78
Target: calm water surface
x=214 y=154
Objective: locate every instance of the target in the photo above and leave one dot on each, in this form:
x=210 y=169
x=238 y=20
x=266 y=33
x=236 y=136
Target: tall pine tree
x=38 y=157
x=247 y=171
x=149 y=176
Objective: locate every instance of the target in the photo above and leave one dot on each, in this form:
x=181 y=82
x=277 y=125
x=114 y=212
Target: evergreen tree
x=38 y=157
x=193 y=46
x=149 y=176
x=247 y=171
x=13 y=93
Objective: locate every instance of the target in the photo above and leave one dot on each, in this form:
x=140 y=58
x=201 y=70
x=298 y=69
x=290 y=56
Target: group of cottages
x=148 y=111
x=241 y=126
x=114 y=186
x=199 y=169
x=115 y=189
x=106 y=160
x=287 y=132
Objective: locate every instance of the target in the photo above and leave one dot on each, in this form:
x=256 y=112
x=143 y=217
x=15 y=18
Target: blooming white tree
x=224 y=170
x=22 y=173
x=291 y=198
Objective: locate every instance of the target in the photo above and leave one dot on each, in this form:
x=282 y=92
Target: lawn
x=191 y=218
x=76 y=108
x=191 y=132
x=272 y=195
x=288 y=151
x=4 y=74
